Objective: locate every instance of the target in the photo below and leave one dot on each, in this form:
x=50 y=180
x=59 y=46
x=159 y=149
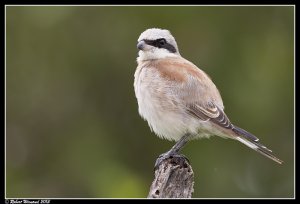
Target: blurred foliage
x=72 y=123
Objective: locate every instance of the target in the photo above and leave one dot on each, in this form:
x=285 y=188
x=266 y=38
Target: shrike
x=178 y=100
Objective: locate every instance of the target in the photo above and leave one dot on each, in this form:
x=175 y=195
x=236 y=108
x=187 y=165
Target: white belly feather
x=160 y=109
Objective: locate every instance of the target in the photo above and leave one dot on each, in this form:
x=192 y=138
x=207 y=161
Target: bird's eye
x=162 y=42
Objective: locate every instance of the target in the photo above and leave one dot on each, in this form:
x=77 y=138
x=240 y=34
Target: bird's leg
x=174 y=151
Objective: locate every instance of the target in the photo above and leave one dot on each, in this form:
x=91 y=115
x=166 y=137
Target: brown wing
x=197 y=93
x=194 y=89
x=189 y=83
x=210 y=112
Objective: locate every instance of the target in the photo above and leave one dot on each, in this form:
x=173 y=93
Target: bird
x=179 y=101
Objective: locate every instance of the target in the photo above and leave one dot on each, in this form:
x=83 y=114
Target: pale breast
x=158 y=104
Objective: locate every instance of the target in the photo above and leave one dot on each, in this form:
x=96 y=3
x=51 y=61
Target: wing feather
x=210 y=112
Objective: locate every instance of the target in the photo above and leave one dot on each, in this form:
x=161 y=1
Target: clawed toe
x=178 y=159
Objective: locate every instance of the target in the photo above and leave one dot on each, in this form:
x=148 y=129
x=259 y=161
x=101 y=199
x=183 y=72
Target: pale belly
x=164 y=113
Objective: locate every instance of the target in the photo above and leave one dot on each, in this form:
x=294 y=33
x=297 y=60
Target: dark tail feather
x=251 y=141
x=242 y=132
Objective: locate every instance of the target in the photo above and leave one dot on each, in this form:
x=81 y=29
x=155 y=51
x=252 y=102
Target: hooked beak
x=141 y=45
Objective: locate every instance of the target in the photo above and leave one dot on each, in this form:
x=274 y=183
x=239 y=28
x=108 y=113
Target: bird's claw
x=178 y=159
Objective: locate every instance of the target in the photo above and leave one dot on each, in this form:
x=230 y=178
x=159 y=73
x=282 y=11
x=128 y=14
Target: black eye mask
x=161 y=43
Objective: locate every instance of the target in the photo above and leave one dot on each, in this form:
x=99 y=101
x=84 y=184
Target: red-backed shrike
x=178 y=100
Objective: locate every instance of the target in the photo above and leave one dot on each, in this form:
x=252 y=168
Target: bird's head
x=157 y=43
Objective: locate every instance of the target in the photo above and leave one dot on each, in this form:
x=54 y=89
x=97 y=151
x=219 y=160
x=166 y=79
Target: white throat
x=155 y=54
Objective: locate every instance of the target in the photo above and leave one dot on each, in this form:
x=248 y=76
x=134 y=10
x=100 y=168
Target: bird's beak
x=141 y=45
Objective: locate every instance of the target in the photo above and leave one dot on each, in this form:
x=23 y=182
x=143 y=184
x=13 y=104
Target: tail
x=251 y=141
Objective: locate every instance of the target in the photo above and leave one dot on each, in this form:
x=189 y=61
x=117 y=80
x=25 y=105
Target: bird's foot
x=177 y=159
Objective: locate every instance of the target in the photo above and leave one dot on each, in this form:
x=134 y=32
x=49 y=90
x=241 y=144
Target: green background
x=72 y=123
